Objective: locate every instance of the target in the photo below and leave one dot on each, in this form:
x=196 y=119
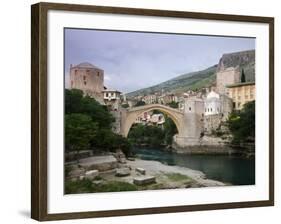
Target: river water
x=226 y=168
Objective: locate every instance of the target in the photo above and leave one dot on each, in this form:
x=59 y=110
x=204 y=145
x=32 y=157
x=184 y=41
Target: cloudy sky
x=133 y=60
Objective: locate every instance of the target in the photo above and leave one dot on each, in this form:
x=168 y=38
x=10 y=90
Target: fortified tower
x=226 y=77
x=193 y=123
x=87 y=78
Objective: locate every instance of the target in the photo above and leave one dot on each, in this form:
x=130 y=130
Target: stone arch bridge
x=188 y=122
x=133 y=113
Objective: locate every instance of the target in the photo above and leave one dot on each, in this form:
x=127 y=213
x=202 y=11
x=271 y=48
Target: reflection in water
x=226 y=168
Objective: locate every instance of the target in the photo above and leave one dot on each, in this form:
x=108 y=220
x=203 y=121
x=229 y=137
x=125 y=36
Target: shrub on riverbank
x=242 y=124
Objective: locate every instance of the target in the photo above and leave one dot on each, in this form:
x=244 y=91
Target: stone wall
x=212 y=123
x=226 y=106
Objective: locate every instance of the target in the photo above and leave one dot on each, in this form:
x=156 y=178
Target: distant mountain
x=206 y=77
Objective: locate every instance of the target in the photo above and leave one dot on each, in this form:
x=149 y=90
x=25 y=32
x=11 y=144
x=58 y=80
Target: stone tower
x=87 y=78
x=226 y=77
x=193 y=123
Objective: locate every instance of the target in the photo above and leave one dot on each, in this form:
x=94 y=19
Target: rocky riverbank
x=107 y=173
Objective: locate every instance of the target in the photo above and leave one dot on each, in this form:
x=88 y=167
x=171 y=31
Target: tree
x=126 y=105
x=76 y=103
x=79 y=130
x=173 y=104
x=73 y=100
x=243 y=77
x=242 y=125
x=170 y=129
x=109 y=141
x=88 y=125
x=140 y=103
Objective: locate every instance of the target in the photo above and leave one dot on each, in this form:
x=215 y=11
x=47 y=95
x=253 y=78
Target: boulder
x=120 y=156
x=91 y=174
x=100 y=163
x=144 y=180
x=122 y=172
x=140 y=170
x=76 y=173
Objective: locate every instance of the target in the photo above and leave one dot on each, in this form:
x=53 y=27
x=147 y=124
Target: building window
x=71 y=83
x=189 y=108
x=106 y=94
x=85 y=83
x=84 y=77
x=75 y=71
x=98 y=73
x=211 y=109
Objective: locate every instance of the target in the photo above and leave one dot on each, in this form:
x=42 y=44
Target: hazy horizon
x=136 y=60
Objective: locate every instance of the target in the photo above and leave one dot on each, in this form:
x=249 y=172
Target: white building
x=157 y=119
x=112 y=98
x=212 y=104
x=111 y=95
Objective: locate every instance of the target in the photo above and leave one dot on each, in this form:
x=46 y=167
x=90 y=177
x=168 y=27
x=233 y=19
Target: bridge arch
x=133 y=113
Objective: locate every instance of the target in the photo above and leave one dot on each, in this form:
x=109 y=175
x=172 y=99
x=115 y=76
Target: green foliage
x=125 y=105
x=79 y=130
x=109 y=141
x=173 y=104
x=86 y=186
x=114 y=186
x=243 y=77
x=79 y=186
x=88 y=125
x=76 y=103
x=140 y=103
x=153 y=135
x=170 y=130
x=144 y=134
x=242 y=125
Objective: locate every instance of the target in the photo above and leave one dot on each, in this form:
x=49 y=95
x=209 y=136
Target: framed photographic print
x=141 y=111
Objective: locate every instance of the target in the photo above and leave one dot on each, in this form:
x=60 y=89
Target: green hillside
x=205 y=78
x=182 y=83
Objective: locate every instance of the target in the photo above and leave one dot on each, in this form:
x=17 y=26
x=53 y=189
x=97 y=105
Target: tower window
x=85 y=83
x=98 y=73
x=189 y=108
x=84 y=77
